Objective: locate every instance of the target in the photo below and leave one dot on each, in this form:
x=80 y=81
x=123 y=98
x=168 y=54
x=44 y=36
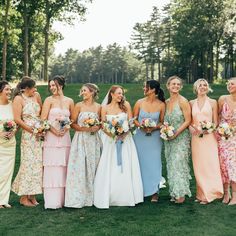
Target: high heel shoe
x=233 y=199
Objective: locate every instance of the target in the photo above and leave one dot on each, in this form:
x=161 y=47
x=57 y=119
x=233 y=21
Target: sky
x=107 y=22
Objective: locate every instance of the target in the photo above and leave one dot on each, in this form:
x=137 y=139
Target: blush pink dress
x=55 y=158
x=227 y=148
x=205 y=158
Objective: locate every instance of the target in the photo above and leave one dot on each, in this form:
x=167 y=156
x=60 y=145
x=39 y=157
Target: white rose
x=125 y=126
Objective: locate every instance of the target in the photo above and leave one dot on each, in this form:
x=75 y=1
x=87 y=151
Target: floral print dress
x=29 y=178
x=83 y=161
x=227 y=148
x=177 y=153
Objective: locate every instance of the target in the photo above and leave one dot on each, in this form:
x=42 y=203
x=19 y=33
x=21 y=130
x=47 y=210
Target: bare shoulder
x=98 y=105
x=127 y=104
x=212 y=101
x=18 y=99
x=70 y=100
x=192 y=101
x=78 y=104
x=222 y=98
x=48 y=99
x=183 y=100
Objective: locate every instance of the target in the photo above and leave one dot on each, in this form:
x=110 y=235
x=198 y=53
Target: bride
x=117 y=182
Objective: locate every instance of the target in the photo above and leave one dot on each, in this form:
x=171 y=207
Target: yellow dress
x=7 y=156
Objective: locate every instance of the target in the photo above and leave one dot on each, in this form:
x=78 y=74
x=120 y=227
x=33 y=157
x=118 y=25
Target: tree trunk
x=211 y=69
x=5 y=38
x=217 y=59
x=146 y=65
x=26 y=39
x=152 y=70
x=46 y=36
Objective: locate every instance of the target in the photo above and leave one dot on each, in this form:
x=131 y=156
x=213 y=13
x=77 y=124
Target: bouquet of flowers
x=9 y=126
x=132 y=126
x=225 y=130
x=206 y=126
x=90 y=122
x=116 y=127
x=64 y=122
x=40 y=127
x=167 y=131
x=148 y=123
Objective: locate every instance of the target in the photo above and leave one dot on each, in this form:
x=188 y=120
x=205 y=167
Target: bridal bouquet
x=225 y=130
x=40 y=127
x=148 y=123
x=8 y=126
x=116 y=127
x=167 y=131
x=64 y=122
x=90 y=122
x=207 y=126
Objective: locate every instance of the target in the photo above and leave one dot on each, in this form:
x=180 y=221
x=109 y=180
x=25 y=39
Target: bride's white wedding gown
x=118 y=185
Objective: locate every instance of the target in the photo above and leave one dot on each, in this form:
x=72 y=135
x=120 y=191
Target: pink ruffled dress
x=227 y=148
x=55 y=158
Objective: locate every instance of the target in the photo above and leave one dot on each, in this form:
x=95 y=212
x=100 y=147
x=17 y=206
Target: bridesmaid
x=26 y=108
x=149 y=147
x=205 y=158
x=7 y=145
x=57 y=143
x=227 y=148
x=85 y=150
x=177 y=149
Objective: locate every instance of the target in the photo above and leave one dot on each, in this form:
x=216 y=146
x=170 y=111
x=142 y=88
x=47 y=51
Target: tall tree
x=5 y=38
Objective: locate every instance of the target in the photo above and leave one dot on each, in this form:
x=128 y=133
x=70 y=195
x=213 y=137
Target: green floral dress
x=177 y=152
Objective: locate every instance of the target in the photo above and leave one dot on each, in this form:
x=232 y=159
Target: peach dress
x=205 y=158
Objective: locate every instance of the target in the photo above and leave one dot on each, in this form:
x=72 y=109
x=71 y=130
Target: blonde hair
x=93 y=88
x=197 y=84
x=172 y=78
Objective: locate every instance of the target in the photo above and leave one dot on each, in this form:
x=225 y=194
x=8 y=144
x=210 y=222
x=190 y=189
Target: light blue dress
x=149 y=154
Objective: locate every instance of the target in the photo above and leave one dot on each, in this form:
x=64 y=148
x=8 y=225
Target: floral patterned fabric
x=83 y=162
x=29 y=178
x=227 y=148
x=177 y=152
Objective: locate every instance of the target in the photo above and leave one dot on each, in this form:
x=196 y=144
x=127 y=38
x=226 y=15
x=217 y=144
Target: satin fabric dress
x=206 y=164
x=7 y=156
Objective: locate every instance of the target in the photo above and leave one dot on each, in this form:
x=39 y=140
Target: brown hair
x=122 y=102
x=3 y=85
x=26 y=82
x=59 y=80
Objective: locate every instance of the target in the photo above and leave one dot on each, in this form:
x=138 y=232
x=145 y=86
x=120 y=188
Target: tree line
x=189 y=38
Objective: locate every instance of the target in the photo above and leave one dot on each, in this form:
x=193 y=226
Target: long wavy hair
x=122 y=102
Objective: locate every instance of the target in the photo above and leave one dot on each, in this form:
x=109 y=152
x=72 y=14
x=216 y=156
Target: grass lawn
x=163 y=218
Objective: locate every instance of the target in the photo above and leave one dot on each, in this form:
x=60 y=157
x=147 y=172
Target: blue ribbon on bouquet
x=119 y=153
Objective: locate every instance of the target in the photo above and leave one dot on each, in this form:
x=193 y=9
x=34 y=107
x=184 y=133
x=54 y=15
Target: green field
x=163 y=218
